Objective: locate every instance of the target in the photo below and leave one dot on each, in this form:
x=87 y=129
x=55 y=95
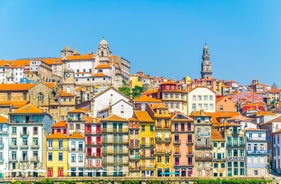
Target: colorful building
x=57 y=155
x=219 y=153
x=134 y=147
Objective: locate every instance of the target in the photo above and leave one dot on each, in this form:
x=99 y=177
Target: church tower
x=104 y=52
x=68 y=83
x=206 y=66
x=66 y=52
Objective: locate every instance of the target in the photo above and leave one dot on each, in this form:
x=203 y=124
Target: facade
x=4 y=145
x=276 y=158
x=257 y=153
x=115 y=151
x=203 y=143
x=225 y=104
x=219 y=153
x=57 y=155
x=201 y=98
x=183 y=145
x=76 y=154
x=93 y=136
x=134 y=147
x=27 y=129
x=147 y=145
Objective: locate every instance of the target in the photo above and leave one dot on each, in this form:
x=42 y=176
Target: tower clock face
x=67 y=75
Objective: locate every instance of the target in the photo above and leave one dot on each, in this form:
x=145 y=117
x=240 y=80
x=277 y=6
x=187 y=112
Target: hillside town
x=67 y=116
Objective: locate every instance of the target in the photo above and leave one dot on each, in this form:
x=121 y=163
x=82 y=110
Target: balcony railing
x=235 y=145
x=189 y=142
x=258 y=152
x=24 y=146
x=189 y=153
x=253 y=139
x=177 y=142
x=203 y=146
x=177 y=153
x=203 y=158
x=13 y=146
x=35 y=146
x=24 y=134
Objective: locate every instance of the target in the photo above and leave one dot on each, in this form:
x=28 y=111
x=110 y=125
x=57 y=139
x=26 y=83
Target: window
x=151 y=128
x=205 y=97
x=210 y=97
x=221 y=107
x=167 y=159
x=80 y=158
x=73 y=158
x=14 y=130
x=235 y=164
x=215 y=144
x=205 y=106
x=259 y=134
x=50 y=156
x=24 y=141
x=199 y=106
x=142 y=128
x=242 y=172
x=229 y=153
x=222 y=165
x=60 y=144
x=241 y=164
x=211 y=107
x=215 y=165
x=229 y=164
x=194 y=97
x=235 y=171
x=199 y=97
x=222 y=144
x=80 y=146
x=241 y=153
x=159 y=159
x=35 y=130
x=50 y=143
x=60 y=156
x=193 y=107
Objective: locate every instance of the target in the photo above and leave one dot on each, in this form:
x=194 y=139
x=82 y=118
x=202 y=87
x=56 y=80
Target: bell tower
x=104 y=52
x=206 y=66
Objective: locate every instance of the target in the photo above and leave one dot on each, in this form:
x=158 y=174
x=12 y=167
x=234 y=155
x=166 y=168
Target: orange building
x=224 y=103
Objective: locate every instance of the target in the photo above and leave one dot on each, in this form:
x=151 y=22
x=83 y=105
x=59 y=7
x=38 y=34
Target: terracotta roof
x=149 y=92
x=239 y=118
x=57 y=135
x=99 y=75
x=200 y=113
x=158 y=106
x=217 y=136
x=52 y=61
x=143 y=116
x=15 y=87
x=76 y=135
x=15 y=104
x=50 y=84
x=80 y=57
x=218 y=115
x=3 y=119
x=59 y=124
x=76 y=111
x=27 y=109
x=114 y=117
x=145 y=98
x=255 y=129
x=265 y=113
x=64 y=94
x=101 y=66
x=169 y=82
x=133 y=119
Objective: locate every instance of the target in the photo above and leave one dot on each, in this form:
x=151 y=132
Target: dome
x=103 y=42
x=68 y=70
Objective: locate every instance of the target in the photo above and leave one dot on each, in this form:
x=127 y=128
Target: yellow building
x=163 y=149
x=147 y=144
x=57 y=155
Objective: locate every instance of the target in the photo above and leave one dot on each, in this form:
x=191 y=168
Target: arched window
x=41 y=97
x=101 y=53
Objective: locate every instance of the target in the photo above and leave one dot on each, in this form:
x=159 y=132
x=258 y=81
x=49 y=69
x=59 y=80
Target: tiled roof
x=65 y=94
x=217 y=136
x=168 y=82
x=27 y=109
x=255 y=129
x=52 y=61
x=101 y=66
x=158 y=106
x=133 y=119
x=114 y=117
x=3 y=119
x=265 y=113
x=99 y=75
x=145 y=98
x=50 y=84
x=59 y=124
x=58 y=135
x=76 y=135
x=239 y=118
x=80 y=57
x=143 y=116
x=15 y=87
x=200 y=113
x=15 y=104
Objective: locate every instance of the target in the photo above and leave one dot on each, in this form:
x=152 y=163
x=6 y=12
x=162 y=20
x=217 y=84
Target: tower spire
x=206 y=67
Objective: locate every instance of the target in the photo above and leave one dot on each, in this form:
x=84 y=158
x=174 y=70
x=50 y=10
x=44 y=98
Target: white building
x=257 y=153
x=109 y=98
x=4 y=145
x=27 y=127
x=201 y=98
x=76 y=154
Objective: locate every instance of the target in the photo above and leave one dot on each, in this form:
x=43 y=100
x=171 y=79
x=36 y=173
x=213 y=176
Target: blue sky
x=159 y=37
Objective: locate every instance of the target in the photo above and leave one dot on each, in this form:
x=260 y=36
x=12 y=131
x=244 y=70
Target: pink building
x=182 y=137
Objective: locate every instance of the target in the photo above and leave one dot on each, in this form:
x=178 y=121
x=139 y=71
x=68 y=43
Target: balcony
x=219 y=159
x=134 y=168
x=189 y=154
x=24 y=146
x=201 y=158
x=13 y=146
x=258 y=152
x=147 y=145
x=177 y=153
x=177 y=142
x=189 y=142
x=35 y=159
x=160 y=152
x=203 y=146
x=134 y=157
x=258 y=139
x=235 y=145
x=13 y=159
x=165 y=127
x=35 y=146
x=24 y=134
x=94 y=155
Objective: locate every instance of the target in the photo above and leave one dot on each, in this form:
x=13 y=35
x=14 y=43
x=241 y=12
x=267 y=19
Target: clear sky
x=159 y=37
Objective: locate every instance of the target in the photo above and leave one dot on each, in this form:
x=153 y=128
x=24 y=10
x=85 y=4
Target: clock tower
x=68 y=83
x=206 y=66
